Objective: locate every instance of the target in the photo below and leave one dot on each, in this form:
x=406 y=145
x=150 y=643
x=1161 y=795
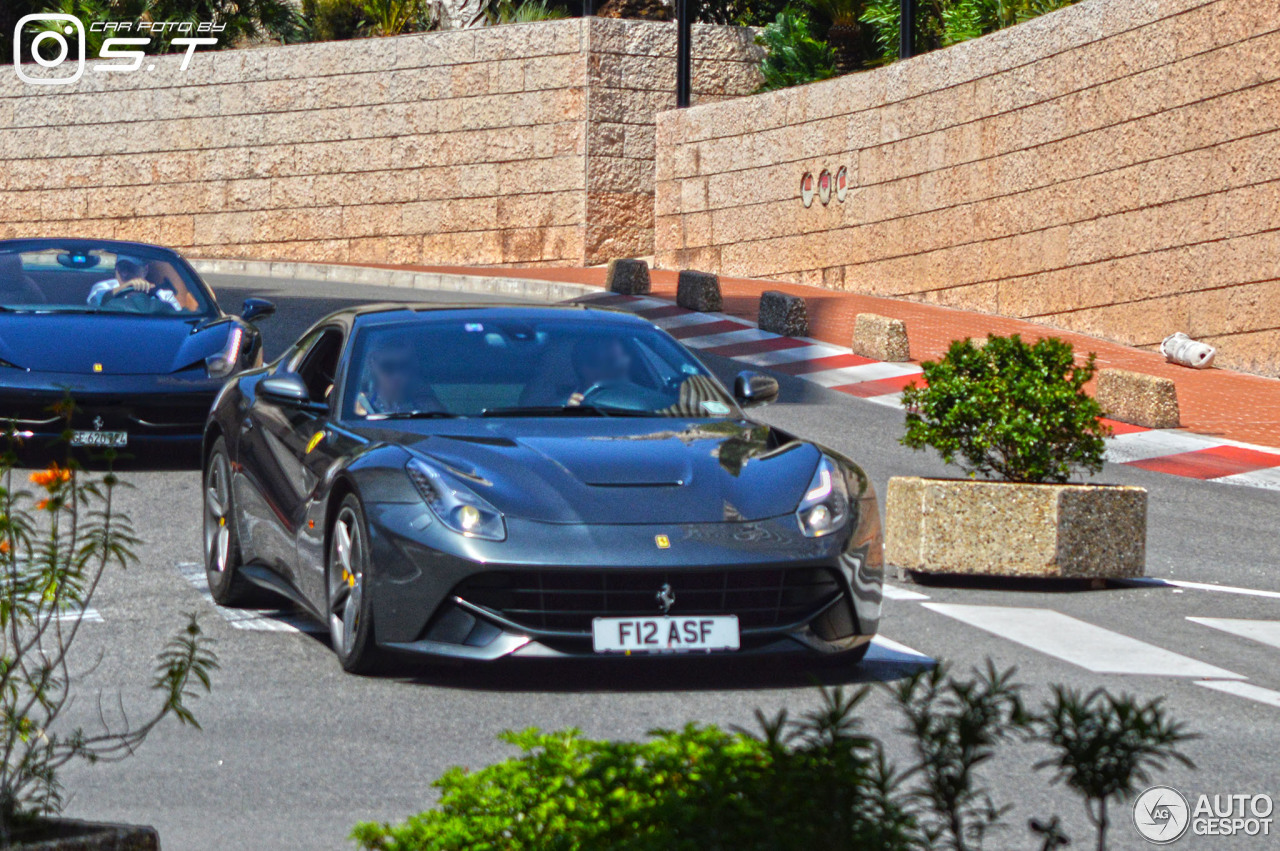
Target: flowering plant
x=60 y=530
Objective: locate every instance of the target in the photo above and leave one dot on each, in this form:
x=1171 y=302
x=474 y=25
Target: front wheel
x=347 y=574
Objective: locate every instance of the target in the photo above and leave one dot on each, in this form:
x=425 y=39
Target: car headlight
x=825 y=506
x=224 y=362
x=458 y=507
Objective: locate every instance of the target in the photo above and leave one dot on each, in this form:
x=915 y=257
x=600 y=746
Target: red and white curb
x=1178 y=453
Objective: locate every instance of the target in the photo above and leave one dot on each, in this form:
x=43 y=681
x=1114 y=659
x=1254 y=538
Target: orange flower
x=51 y=478
x=42 y=505
x=4 y=547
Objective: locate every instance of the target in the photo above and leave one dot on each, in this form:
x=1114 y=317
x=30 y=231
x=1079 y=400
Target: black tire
x=222 y=560
x=348 y=601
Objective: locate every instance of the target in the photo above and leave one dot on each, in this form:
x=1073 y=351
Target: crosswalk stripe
x=261 y=620
x=895 y=592
x=887 y=650
x=1079 y=643
x=1197 y=586
x=1269 y=479
x=745 y=335
x=1145 y=445
x=686 y=319
x=1246 y=690
x=1263 y=632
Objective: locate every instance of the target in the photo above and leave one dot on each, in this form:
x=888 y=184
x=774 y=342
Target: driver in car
x=599 y=361
x=130 y=277
x=393 y=381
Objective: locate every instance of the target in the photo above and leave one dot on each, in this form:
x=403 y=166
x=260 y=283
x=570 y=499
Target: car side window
x=318 y=364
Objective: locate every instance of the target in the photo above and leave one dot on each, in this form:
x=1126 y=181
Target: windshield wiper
x=564 y=410
x=412 y=415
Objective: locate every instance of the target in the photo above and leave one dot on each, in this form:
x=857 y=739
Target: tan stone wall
x=1110 y=168
x=466 y=147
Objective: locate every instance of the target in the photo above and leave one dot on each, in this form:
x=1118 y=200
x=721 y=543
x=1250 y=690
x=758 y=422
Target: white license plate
x=113 y=439
x=664 y=634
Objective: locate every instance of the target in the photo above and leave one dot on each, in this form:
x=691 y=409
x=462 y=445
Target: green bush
x=1008 y=409
x=815 y=782
x=744 y=13
x=792 y=55
x=942 y=23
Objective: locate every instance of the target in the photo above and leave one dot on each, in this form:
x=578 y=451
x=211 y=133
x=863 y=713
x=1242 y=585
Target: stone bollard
x=1142 y=400
x=627 y=277
x=699 y=291
x=783 y=314
x=880 y=338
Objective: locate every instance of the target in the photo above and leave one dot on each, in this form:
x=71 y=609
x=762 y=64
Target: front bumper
x=536 y=594
x=151 y=409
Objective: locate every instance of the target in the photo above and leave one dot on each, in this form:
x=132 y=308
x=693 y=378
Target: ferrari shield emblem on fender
x=662 y=541
x=97 y=367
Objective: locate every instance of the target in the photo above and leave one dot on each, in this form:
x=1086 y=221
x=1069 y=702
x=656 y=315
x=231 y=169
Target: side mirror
x=288 y=389
x=256 y=308
x=752 y=388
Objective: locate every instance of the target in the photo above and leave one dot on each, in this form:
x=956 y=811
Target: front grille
x=565 y=601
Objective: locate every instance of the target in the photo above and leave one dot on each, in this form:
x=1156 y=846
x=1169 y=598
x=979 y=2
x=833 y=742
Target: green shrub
x=744 y=13
x=792 y=55
x=812 y=783
x=1008 y=409
x=815 y=782
x=331 y=20
x=942 y=23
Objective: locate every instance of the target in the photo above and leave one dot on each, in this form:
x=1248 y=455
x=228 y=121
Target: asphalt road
x=294 y=752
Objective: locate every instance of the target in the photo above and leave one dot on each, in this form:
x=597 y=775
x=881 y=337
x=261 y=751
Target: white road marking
x=887 y=650
x=1090 y=647
x=1268 y=479
x=1199 y=586
x=1246 y=690
x=894 y=592
x=1142 y=445
x=86 y=615
x=890 y=400
x=1263 y=632
x=684 y=319
x=859 y=374
x=261 y=620
x=746 y=335
x=786 y=355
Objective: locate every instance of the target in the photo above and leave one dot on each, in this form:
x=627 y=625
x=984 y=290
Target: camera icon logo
x=54 y=29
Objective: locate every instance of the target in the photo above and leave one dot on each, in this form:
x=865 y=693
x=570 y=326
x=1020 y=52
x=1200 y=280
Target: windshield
x=543 y=367
x=56 y=279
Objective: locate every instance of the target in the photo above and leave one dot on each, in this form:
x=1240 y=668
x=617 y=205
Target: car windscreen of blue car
x=94 y=280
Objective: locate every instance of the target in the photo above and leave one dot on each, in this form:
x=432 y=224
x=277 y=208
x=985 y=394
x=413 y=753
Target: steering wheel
x=601 y=387
x=138 y=302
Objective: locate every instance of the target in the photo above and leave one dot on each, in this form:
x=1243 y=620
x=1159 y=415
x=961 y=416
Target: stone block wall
x=463 y=147
x=1109 y=168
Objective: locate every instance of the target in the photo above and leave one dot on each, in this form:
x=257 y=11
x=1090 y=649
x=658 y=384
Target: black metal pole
x=684 y=59
x=907 y=29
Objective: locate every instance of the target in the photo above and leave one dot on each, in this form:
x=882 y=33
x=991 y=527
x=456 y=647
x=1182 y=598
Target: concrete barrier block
x=880 y=338
x=957 y=526
x=1143 y=400
x=783 y=314
x=699 y=291
x=627 y=277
